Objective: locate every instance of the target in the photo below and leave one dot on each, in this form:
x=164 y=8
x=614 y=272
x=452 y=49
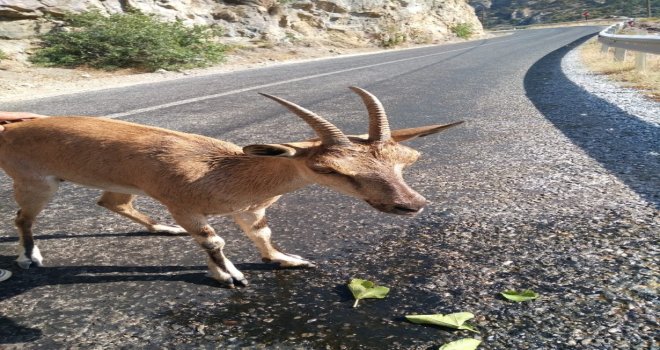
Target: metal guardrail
x=642 y=44
x=639 y=43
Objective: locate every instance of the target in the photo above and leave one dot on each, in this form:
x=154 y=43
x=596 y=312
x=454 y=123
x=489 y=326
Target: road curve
x=544 y=187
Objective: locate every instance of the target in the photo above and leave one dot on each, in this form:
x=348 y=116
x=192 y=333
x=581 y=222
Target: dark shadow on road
x=623 y=144
x=24 y=280
x=94 y=235
x=12 y=332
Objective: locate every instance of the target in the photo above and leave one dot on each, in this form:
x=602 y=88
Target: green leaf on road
x=525 y=295
x=455 y=320
x=462 y=344
x=363 y=289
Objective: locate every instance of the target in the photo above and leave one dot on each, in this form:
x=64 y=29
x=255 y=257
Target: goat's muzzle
x=409 y=208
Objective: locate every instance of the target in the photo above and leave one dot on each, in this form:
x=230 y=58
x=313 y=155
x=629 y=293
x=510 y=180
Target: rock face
x=273 y=20
x=524 y=12
x=257 y=23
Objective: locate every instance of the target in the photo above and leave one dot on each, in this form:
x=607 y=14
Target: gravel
x=629 y=100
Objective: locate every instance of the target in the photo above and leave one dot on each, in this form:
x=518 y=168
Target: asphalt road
x=545 y=187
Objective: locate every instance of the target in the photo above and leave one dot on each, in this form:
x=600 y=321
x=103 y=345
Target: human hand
x=14 y=117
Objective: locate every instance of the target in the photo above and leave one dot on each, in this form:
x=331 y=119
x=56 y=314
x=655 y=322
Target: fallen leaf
x=462 y=344
x=516 y=296
x=455 y=320
x=363 y=289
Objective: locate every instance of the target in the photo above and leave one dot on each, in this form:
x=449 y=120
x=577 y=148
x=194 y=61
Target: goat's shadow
x=625 y=145
x=25 y=280
x=12 y=332
x=6 y=239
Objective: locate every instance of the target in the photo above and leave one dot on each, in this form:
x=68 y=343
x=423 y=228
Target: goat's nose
x=419 y=201
x=411 y=206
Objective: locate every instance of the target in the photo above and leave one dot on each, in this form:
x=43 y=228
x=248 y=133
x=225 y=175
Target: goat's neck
x=261 y=177
x=278 y=174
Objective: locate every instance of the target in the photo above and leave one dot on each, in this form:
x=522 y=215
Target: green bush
x=132 y=40
x=391 y=36
x=2 y=55
x=463 y=30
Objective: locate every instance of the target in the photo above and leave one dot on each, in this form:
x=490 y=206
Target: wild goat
x=196 y=176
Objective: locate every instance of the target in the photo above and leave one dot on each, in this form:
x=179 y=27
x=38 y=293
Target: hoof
x=224 y=282
x=241 y=283
x=24 y=261
x=295 y=264
x=228 y=283
x=24 y=264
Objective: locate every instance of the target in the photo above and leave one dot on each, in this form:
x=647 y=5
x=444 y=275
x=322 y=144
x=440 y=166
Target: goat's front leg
x=255 y=226
x=220 y=268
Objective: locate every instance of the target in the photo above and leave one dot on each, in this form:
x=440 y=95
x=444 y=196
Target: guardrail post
x=619 y=54
x=604 y=49
x=640 y=61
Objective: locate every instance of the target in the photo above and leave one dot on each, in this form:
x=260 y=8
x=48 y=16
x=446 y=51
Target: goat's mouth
x=397 y=209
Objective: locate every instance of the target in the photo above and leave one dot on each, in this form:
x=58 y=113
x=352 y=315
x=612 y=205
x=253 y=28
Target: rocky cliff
x=523 y=12
x=340 y=22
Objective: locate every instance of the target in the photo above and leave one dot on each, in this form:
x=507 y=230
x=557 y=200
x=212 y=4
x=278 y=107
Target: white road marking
x=281 y=82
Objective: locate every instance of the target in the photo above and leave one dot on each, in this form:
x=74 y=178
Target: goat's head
x=368 y=167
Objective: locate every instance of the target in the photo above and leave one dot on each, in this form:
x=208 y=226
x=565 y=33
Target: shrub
x=2 y=55
x=420 y=36
x=462 y=30
x=391 y=37
x=132 y=39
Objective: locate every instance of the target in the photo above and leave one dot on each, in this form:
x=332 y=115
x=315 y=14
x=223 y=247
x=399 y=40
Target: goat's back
x=100 y=152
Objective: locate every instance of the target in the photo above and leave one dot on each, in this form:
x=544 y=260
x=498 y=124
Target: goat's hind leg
x=31 y=196
x=255 y=226
x=220 y=268
x=122 y=204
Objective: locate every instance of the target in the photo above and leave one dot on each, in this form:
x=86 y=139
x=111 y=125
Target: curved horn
x=329 y=134
x=379 y=127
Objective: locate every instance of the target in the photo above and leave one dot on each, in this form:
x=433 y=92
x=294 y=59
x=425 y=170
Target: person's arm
x=13 y=117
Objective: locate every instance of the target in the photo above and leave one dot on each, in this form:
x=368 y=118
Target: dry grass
x=647 y=81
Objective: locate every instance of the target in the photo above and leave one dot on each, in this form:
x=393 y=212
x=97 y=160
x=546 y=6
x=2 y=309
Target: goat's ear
x=409 y=134
x=269 y=151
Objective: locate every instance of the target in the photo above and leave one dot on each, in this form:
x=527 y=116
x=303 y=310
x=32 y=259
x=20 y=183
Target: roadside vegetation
x=648 y=80
x=463 y=30
x=130 y=40
x=391 y=36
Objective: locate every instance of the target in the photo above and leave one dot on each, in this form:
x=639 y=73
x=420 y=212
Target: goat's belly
x=121 y=189
x=235 y=207
x=110 y=187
